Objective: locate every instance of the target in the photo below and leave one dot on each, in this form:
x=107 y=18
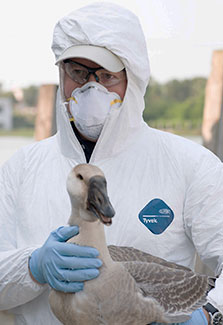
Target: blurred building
x=6 y=118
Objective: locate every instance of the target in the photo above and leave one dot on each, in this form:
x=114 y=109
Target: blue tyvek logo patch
x=156 y=216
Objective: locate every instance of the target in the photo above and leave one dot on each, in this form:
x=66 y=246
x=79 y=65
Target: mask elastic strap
x=114 y=101
x=72 y=98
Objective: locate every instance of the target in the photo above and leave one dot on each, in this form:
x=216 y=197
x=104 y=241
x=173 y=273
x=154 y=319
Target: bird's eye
x=80 y=176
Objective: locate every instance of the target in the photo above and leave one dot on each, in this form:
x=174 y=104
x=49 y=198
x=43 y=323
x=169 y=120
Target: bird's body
x=133 y=287
x=111 y=299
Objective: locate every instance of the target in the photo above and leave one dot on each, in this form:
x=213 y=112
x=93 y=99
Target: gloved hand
x=64 y=266
x=197 y=318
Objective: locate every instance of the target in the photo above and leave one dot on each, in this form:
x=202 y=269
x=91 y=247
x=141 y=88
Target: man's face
x=70 y=85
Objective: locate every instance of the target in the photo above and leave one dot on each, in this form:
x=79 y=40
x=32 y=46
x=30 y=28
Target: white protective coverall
x=166 y=190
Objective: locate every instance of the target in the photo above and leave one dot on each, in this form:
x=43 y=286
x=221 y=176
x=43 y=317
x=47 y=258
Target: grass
x=20 y=132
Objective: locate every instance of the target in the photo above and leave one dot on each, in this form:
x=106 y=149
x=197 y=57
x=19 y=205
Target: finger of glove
x=52 y=273
x=66 y=286
x=78 y=275
x=71 y=262
x=69 y=249
x=62 y=234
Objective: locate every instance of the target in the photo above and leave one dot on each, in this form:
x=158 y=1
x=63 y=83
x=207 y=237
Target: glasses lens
x=107 y=78
x=76 y=72
x=81 y=74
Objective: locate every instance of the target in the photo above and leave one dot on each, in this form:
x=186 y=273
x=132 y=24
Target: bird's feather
x=176 y=288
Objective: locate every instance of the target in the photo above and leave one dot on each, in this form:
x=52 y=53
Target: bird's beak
x=98 y=201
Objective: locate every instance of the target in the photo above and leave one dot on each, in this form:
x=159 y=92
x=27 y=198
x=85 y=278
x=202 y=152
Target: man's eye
x=107 y=76
x=79 y=72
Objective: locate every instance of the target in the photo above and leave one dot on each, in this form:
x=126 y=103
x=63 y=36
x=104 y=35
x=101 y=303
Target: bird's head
x=87 y=187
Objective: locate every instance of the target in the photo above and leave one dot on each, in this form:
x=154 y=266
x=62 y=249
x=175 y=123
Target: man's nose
x=93 y=77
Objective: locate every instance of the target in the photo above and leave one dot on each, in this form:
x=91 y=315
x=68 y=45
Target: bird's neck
x=91 y=234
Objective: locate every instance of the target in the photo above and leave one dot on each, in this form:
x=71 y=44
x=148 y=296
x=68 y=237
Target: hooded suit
x=167 y=191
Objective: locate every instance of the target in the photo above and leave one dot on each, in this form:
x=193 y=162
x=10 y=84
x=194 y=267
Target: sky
x=181 y=36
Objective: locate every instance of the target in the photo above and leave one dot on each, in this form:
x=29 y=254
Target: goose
x=133 y=287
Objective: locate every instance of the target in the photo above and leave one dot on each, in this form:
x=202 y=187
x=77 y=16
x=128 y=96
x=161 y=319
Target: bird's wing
x=178 y=291
x=123 y=253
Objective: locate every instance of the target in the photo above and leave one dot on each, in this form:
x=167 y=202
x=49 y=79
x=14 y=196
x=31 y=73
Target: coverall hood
x=92 y=25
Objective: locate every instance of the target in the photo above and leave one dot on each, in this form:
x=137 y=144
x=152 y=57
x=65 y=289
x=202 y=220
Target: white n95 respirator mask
x=90 y=105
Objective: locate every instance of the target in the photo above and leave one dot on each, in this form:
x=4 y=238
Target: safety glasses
x=80 y=73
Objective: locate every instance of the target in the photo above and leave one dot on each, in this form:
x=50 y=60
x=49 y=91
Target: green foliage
x=176 y=104
x=7 y=94
x=20 y=132
x=31 y=95
x=23 y=121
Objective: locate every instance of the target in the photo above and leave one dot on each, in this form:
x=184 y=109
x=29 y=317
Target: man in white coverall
x=102 y=58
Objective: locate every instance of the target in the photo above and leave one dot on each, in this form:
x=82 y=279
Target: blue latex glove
x=197 y=318
x=64 y=266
